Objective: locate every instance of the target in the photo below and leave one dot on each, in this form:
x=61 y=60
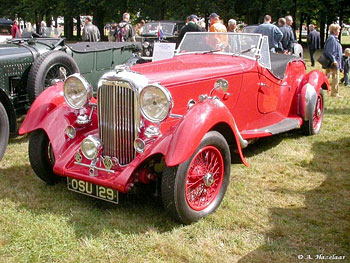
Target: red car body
x=256 y=104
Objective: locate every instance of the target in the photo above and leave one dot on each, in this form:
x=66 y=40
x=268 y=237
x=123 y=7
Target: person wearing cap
x=90 y=31
x=191 y=26
x=271 y=31
x=232 y=26
x=219 y=41
x=215 y=24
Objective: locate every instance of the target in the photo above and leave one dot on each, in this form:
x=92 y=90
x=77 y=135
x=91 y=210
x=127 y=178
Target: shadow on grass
x=322 y=226
x=338 y=111
x=267 y=143
x=137 y=213
x=19 y=139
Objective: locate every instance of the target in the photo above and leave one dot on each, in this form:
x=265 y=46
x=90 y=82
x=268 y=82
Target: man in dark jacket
x=313 y=42
x=90 y=31
x=287 y=39
x=190 y=27
x=274 y=34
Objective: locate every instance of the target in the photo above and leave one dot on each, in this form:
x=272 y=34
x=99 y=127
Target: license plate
x=97 y=191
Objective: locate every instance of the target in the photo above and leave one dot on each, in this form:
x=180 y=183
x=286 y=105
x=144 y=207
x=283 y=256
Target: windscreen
x=153 y=28
x=229 y=43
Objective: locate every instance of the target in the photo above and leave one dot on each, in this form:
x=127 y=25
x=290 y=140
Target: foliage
x=247 y=11
x=293 y=200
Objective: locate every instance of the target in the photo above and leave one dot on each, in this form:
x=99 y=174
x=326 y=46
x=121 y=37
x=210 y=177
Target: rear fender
x=200 y=119
x=310 y=88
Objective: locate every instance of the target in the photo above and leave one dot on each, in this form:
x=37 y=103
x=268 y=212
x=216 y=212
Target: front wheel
x=41 y=157
x=313 y=126
x=4 y=130
x=196 y=187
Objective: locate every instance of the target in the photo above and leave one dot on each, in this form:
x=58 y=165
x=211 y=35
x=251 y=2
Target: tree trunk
x=301 y=25
x=68 y=27
x=308 y=22
x=78 y=27
x=98 y=21
x=322 y=28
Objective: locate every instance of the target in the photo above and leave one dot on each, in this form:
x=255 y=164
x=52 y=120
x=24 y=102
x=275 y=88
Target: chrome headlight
x=146 y=44
x=90 y=147
x=155 y=102
x=77 y=91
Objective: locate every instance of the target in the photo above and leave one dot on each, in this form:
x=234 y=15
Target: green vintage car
x=30 y=65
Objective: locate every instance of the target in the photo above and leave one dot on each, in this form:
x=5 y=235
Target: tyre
x=313 y=126
x=41 y=157
x=4 y=130
x=48 y=69
x=196 y=187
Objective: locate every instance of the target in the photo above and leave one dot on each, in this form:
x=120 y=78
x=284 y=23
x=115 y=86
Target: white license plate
x=97 y=191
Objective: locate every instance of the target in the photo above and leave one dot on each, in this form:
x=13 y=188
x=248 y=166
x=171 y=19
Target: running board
x=282 y=126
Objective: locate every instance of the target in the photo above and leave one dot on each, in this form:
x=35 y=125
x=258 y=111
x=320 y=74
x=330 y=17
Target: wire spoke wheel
x=55 y=74
x=204 y=178
x=195 y=188
x=318 y=113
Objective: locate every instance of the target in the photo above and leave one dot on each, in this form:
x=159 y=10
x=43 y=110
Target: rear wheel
x=41 y=157
x=313 y=126
x=4 y=130
x=196 y=187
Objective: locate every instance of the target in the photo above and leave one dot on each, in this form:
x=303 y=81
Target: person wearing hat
x=218 y=41
x=215 y=24
x=90 y=31
x=191 y=26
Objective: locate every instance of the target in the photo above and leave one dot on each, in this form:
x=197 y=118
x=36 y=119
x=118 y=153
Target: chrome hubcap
x=208 y=179
x=319 y=112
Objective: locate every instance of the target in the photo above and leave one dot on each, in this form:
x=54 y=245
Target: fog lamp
x=90 y=147
x=139 y=145
x=71 y=132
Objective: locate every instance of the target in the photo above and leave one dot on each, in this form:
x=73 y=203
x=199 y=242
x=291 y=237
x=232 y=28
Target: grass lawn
x=293 y=200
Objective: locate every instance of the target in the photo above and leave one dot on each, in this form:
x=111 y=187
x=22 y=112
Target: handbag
x=324 y=61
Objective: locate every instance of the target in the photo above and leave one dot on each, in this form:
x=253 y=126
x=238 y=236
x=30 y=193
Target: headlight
x=77 y=91
x=146 y=44
x=155 y=102
x=90 y=147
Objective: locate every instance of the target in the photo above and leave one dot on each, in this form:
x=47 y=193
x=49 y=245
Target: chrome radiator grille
x=116 y=120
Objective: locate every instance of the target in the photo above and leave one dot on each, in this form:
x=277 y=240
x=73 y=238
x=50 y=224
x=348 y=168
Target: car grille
x=116 y=120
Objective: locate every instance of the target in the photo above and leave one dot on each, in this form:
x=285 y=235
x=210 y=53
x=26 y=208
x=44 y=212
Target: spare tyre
x=47 y=70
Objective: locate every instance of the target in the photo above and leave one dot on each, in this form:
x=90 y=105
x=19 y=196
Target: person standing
x=125 y=31
x=333 y=51
x=346 y=66
x=215 y=24
x=287 y=39
x=15 y=32
x=313 y=43
x=111 y=34
x=191 y=26
x=232 y=26
x=271 y=31
x=218 y=41
x=90 y=31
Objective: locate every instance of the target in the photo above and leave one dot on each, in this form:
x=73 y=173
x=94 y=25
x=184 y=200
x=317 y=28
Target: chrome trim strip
x=94 y=167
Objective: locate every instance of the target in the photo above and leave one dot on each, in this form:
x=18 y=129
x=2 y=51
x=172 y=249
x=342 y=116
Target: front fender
x=311 y=85
x=48 y=100
x=200 y=119
x=50 y=113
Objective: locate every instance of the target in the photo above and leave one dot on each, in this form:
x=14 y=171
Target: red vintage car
x=177 y=122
